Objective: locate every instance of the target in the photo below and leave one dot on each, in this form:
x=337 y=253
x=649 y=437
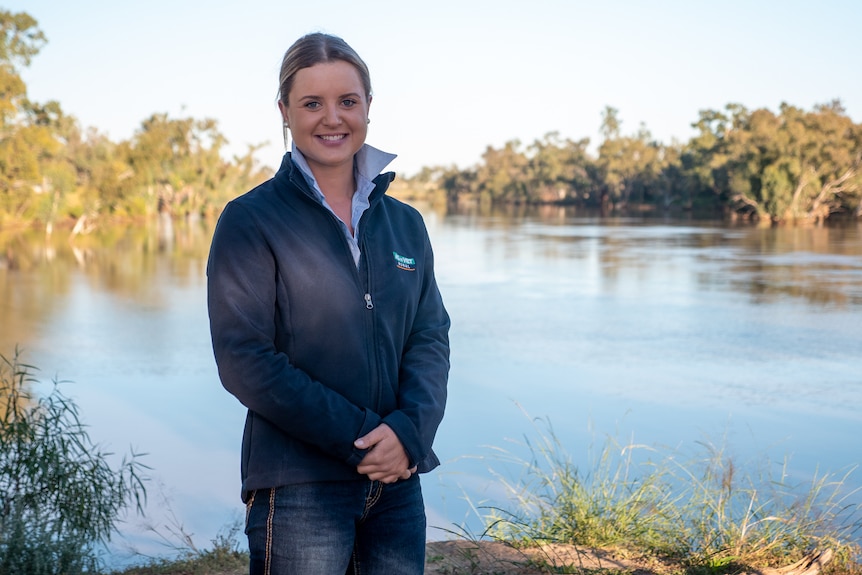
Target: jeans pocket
x=248 y=505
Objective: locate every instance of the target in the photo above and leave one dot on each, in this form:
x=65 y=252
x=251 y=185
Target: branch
x=831 y=189
x=803 y=181
x=742 y=198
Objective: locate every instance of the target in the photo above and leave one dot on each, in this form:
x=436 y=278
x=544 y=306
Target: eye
x=312 y=105
x=348 y=102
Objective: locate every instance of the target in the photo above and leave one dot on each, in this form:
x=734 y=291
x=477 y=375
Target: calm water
x=666 y=334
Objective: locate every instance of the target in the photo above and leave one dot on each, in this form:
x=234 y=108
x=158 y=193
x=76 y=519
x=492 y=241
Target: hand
x=386 y=460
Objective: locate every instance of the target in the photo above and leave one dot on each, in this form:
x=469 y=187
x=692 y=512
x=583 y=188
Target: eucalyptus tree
x=558 y=169
x=456 y=184
x=630 y=167
x=177 y=166
x=502 y=176
x=785 y=167
x=823 y=163
x=24 y=140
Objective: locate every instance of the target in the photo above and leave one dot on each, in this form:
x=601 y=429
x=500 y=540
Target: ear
x=283 y=109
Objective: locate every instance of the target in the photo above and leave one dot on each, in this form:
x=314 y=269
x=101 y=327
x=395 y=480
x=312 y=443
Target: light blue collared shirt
x=367 y=165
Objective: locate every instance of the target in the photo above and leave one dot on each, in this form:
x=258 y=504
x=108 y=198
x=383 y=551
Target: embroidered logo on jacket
x=403 y=263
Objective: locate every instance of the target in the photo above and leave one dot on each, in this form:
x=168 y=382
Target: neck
x=337 y=183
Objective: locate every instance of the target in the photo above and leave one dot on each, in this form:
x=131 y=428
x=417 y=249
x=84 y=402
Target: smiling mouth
x=332 y=137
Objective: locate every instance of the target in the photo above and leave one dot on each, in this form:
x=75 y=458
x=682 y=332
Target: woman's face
x=327 y=112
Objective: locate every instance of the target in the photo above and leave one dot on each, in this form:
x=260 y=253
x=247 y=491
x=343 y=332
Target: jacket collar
x=368 y=162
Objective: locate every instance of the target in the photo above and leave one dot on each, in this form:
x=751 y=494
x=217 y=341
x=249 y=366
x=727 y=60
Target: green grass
x=702 y=512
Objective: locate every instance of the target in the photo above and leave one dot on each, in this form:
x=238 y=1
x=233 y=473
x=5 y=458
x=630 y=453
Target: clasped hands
x=386 y=461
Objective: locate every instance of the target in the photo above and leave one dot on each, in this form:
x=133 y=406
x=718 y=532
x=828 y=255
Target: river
x=684 y=336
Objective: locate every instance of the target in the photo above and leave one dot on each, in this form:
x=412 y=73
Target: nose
x=332 y=117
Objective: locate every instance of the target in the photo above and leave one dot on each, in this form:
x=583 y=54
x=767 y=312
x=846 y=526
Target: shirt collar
x=368 y=162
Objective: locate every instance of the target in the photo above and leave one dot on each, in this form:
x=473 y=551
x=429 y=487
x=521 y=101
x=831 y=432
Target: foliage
x=60 y=499
x=707 y=513
x=790 y=166
x=630 y=166
x=794 y=166
x=224 y=557
x=22 y=141
x=54 y=171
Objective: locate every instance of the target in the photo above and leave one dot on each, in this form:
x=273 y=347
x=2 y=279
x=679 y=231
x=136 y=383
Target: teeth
x=333 y=138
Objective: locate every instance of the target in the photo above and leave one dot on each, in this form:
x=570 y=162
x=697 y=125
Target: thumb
x=369 y=440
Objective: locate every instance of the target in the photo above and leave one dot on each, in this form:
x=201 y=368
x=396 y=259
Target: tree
x=630 y=166
x=558 y=170
x=611 y=122
x=502 y=175
x=51 y=169
x=456 y=184
x=785 y=167
x=22 y=141
x=825 y=157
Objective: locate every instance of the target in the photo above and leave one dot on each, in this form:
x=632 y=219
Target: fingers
x=384 y=478
x=373 y=437
x=386 y=460
x=407 y=474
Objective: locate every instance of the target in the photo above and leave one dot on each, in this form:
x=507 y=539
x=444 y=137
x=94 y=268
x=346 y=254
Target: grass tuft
x=705 y=513
x=224 y=558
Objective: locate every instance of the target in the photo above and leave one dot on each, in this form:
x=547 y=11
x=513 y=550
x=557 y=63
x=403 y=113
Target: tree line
x=790 y=166
x=53 y=171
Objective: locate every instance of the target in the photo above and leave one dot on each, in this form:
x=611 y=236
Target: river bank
x=463 y=557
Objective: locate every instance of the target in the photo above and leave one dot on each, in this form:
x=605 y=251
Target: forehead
x=336 y=77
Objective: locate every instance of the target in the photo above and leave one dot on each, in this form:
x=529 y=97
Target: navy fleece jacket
x=319 y=351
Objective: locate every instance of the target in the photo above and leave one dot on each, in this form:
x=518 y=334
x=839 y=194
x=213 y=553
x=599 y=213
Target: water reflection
x=123 y=260
x=680 y=328
x=822 y=265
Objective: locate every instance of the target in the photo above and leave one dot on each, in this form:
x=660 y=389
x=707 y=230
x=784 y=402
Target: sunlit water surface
x=671 y=335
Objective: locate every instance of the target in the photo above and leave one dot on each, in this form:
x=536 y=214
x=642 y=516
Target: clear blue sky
x=449 y=77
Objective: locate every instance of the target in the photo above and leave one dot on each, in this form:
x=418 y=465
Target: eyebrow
x=316 y=97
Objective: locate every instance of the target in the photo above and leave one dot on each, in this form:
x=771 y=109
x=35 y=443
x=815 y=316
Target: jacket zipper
x=373 y=349
x=369 y=304
x=363 y=253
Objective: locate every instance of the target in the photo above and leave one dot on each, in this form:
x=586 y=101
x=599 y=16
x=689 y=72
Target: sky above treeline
x=449 y=77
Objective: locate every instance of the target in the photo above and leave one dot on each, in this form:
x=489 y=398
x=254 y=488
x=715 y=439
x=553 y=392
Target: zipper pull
x=368 y=304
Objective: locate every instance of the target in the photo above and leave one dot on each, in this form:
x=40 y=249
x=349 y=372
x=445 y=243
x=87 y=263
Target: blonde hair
x=314 y=49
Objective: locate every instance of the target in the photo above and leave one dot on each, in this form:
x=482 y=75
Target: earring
x=286 y=133
x=367 y=120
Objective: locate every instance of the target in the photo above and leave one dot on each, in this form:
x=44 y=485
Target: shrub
x=60 y=499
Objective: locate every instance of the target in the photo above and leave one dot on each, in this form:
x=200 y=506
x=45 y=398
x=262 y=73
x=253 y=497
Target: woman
x=328 y=326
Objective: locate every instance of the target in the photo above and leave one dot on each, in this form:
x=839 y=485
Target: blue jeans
x=357 y=527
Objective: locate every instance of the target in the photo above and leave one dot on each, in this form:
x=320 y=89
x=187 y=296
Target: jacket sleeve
x=241 y=297
x=423 y=373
